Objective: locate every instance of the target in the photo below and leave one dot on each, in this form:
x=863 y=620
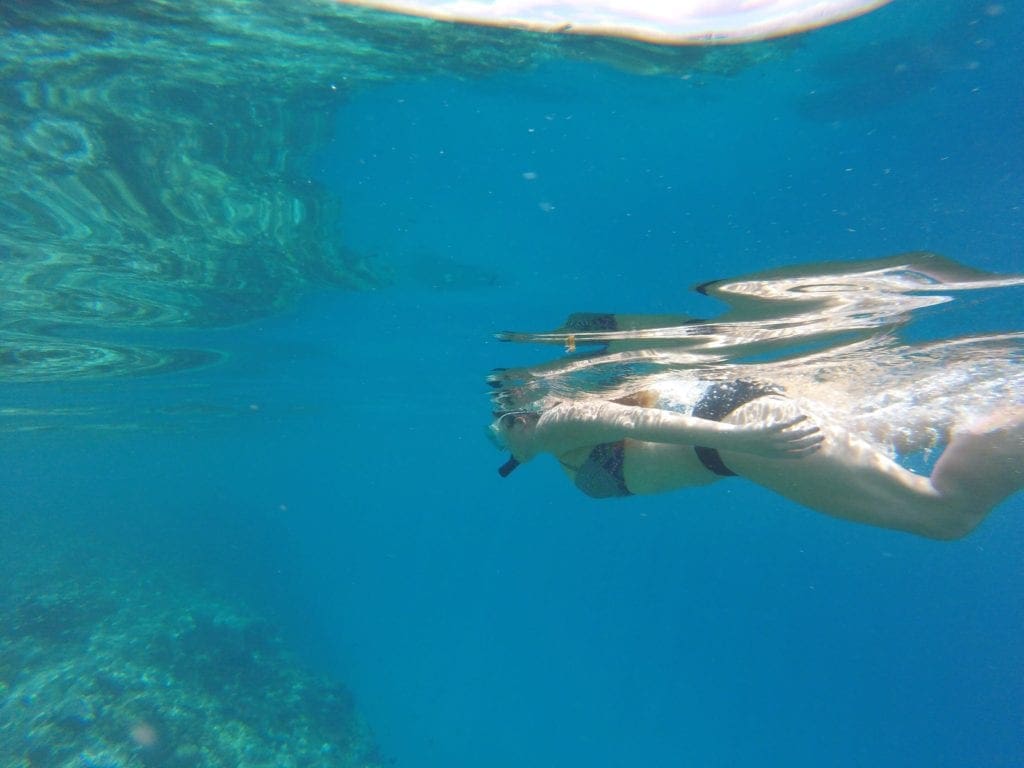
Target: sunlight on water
x=673 y=22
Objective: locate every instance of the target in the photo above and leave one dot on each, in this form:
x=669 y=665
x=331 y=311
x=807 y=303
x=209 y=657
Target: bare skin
x=819 y=465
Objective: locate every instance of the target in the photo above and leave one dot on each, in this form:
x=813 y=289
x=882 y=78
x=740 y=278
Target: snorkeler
x=617 y=449
x=798 y=426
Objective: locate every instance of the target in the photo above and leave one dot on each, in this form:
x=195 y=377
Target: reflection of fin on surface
x=602 y=321
x=602 y=328
x=939 y=268
x=579 y=324
x=871 y=284
x=604 y=332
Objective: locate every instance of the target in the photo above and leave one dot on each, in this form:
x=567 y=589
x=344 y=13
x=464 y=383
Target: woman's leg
x=984 y=463
x=851 y=479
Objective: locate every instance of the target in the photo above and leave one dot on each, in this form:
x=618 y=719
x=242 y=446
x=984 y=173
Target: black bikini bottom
x=600 y=476
x=718 y=401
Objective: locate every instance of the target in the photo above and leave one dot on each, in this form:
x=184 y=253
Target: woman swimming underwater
x=670 y=403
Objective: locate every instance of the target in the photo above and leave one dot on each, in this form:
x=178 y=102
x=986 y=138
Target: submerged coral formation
x=125 y=671
x=155 y=161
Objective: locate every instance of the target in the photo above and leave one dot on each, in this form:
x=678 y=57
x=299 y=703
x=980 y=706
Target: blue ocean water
x=337 y=473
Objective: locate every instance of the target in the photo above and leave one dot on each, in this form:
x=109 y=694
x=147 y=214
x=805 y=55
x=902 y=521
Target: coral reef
x=135 y=670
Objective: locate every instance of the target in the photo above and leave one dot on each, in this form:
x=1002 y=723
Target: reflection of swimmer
x=803 y=385
x=651 y=441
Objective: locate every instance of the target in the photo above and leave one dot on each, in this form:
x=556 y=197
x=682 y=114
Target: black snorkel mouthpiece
x=506 y=469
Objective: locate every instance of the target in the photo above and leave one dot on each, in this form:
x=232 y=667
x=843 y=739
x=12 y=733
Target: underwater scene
x=742 y=320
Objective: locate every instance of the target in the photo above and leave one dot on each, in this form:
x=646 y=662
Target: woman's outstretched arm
x=570 y=426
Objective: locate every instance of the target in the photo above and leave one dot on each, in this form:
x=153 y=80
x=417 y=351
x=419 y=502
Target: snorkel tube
x=508 y=467
x=496 y=435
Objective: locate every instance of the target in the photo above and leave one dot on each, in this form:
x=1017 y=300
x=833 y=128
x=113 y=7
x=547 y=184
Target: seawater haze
x=717 y=626
x=331 y=470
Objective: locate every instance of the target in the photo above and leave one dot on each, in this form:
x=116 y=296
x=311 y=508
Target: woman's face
x=514 y=432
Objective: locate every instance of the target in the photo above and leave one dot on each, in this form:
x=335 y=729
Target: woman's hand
x=791 y=439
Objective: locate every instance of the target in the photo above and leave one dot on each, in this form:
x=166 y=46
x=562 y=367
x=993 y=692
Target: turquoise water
x=331 y=472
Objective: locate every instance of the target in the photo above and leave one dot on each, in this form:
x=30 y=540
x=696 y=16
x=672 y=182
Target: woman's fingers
x=800 y=437
x=804 y=448
x=792 y=423
x=790 y=439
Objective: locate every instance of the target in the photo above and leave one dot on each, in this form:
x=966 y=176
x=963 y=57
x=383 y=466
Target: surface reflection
x=843 y=330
